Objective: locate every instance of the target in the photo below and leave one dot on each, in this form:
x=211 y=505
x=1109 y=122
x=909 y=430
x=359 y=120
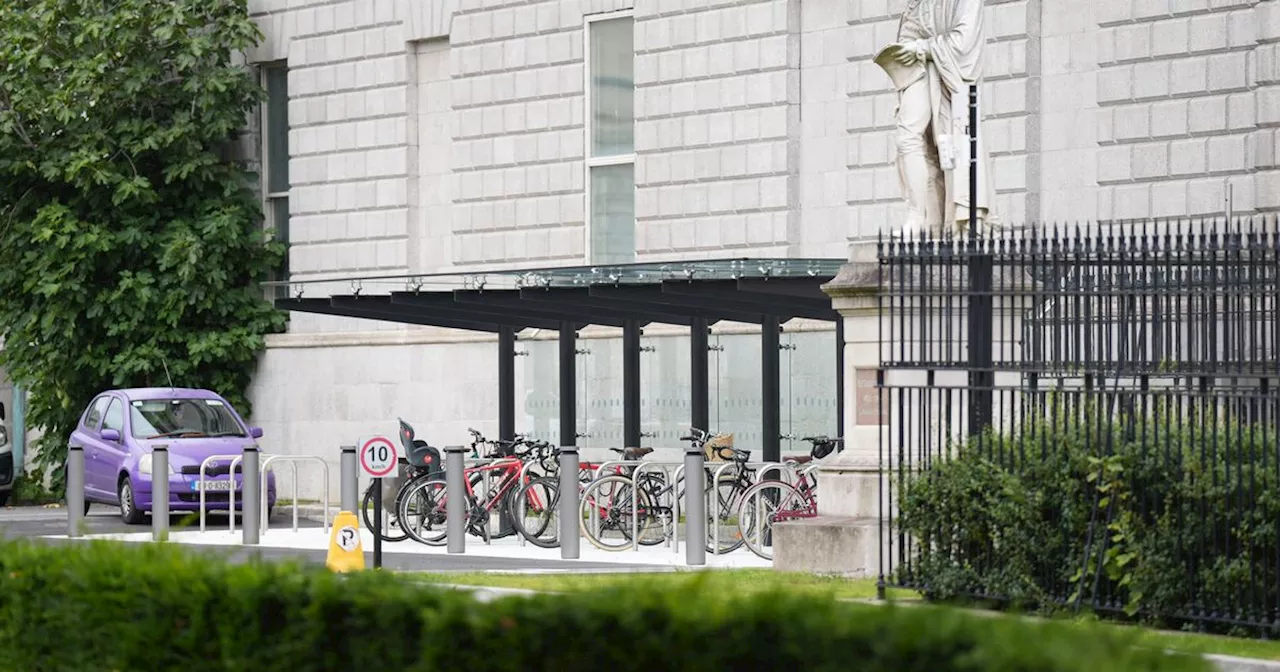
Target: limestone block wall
x=717 y=100
x=1185 y=107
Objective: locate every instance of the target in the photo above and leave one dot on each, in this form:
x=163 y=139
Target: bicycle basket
x=719 y=448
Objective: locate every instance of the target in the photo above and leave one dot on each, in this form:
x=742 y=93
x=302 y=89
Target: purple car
x=120 y=427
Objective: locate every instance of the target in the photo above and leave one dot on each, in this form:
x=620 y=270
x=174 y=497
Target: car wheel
x=129 y=511
x=86 y=507
x=4 y=497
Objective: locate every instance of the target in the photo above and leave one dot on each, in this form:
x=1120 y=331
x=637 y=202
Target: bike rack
x=641 y=467
x=293 y=461
x=760 y=467
x=231 y=510
x=231 y=498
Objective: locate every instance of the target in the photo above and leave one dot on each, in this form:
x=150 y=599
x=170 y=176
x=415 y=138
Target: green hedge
x=111 y=607
x=1167 y=513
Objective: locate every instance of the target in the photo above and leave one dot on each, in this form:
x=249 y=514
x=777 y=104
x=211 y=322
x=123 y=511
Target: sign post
x=378 y=458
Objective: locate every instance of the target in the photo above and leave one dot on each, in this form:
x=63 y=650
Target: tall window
x=275 y=157
x=611 y=150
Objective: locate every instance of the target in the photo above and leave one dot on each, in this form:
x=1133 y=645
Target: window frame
x=599 y=161
x=269 y=198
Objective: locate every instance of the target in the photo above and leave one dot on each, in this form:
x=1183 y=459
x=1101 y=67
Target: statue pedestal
x=845 y=537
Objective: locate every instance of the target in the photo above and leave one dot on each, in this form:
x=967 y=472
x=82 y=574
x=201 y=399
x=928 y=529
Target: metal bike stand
x=200 y=481
x=568 y=504
x=760 y=467
x=639 y=471
x=293 y=461
x=75 y=490
x=231 y=496
x=675 y=512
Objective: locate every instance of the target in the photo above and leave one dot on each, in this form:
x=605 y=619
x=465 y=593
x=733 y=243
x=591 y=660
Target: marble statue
x=939 y=53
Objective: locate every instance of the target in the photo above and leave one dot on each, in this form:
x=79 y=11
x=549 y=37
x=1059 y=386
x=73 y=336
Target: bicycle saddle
x=800 y=459
x=632 y=453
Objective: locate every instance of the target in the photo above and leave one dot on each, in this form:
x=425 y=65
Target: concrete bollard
x=695 y=508
x=250 y=525
x=455 y=490
x=349 y=473
x=570 y=518
x=159 y=493
x=75 y=490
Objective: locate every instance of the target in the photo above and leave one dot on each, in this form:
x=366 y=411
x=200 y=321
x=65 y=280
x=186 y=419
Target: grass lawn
x=754 y=580
x=741 y=580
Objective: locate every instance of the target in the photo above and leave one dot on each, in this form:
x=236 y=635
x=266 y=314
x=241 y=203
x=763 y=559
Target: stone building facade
x=435 y=136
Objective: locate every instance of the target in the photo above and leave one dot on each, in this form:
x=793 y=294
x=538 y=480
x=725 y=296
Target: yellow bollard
x=345 y=550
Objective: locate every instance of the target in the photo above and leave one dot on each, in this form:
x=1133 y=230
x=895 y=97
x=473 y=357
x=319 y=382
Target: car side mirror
x=110 y=435
x=255 y=432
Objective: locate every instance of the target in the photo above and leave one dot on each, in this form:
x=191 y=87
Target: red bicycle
x=775 y=500
x=422 y=510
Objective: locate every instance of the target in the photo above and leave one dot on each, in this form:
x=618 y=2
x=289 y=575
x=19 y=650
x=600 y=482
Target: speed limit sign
x=378 y=457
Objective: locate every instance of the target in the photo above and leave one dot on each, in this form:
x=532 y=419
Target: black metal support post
x=700 y=392
x=980 y=327
x=770 y=390
x=506 y=397
x=377 y=523
x=840 y=377
x=568 y=385
x=631 y=384
x=507 y=383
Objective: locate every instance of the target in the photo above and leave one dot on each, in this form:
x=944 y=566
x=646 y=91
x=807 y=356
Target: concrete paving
x=49 y=525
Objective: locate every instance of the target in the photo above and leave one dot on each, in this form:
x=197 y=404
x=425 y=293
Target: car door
x=112 y=453
x=87 y=437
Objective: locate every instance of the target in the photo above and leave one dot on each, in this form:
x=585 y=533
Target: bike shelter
x=695 y=294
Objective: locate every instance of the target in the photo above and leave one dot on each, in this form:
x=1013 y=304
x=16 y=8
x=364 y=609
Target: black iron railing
x=1111 y=443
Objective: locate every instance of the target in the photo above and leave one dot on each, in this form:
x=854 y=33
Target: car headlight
x=144 y=466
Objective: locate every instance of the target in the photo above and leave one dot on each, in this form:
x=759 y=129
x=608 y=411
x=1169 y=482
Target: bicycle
x=423 y=510
x=541 y=497
x=424 y=462
x=768 y=502
x=608 y=502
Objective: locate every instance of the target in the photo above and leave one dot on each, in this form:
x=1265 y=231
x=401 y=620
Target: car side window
x=95 y=412
x=114 y=418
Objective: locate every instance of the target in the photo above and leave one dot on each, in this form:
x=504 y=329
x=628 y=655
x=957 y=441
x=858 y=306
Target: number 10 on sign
x=378 y=457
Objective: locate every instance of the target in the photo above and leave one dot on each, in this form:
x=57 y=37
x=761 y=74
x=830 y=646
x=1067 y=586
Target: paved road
x=35 y=522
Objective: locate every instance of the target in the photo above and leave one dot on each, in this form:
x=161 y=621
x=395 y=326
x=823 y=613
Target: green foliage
x=129 y=238
x=1160 y=512
x=29 y=489
x=157 y=607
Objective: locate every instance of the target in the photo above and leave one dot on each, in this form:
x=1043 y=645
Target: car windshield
x=182 y=418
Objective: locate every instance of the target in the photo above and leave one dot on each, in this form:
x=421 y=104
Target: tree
x=130 y=241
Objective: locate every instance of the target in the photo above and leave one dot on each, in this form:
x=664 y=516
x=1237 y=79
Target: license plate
x=214 y=486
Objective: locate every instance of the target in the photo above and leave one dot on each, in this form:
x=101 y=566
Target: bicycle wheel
x=610 y=509
x=534 y=513
x=661 y=499
x=392 y=521
x=762 y=505
x=422 y=512
x=722 y=515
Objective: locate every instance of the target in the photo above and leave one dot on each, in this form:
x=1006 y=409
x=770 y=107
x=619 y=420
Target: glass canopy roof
x=569 y=276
